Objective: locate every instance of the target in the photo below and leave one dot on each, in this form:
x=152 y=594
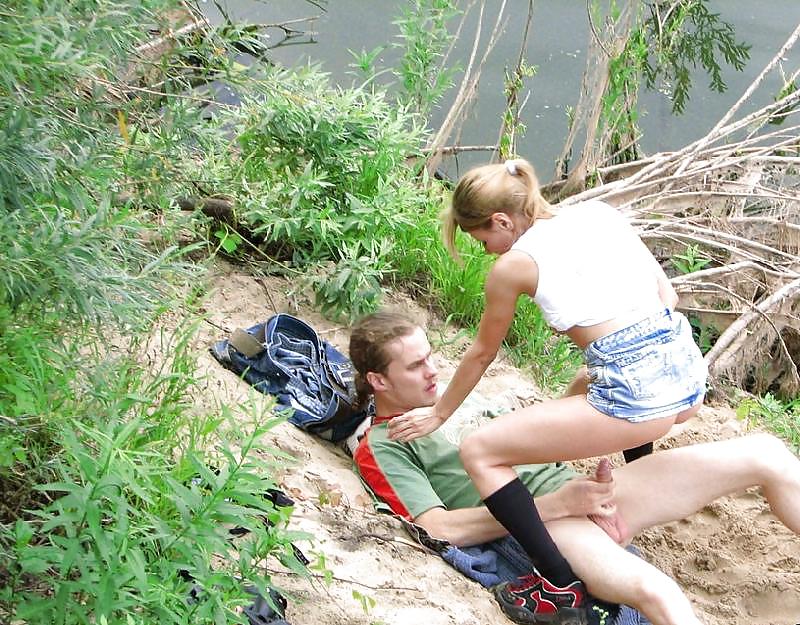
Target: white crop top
x=593 y=267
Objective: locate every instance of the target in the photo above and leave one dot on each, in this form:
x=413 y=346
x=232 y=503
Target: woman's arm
x=502 y=293
x=513 y=274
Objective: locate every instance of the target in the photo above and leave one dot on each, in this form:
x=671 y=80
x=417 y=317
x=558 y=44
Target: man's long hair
x=368 y=342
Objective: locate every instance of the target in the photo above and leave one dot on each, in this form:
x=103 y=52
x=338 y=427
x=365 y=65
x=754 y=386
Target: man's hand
x=584 y=496
x=609 y=519
x=414 y=423
x=593 y=497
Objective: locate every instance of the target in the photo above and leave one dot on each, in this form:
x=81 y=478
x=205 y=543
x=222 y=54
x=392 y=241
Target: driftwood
x=726 y=355
x=467 y=89
x=730 y=202
x=605 y=43
x=732 y=197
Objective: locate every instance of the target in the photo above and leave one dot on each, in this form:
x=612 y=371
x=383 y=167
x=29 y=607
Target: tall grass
x=123 y=513
x=116 y=492
x=780 y=417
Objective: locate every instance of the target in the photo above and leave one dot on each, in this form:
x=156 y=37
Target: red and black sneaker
x=535 y=600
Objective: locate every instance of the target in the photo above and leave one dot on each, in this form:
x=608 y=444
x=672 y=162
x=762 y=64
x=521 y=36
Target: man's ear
x=377 y=381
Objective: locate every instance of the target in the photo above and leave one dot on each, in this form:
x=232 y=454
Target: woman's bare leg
x=561 y=429
x=580 y=386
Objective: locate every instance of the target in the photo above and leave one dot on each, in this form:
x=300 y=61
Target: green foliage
x=84 y=261
x=693 y=259
x=705 y=334
x=778 y=117
x=323 y=179
x=229 y=240
x=11 y=450
x=62 y=245
x=512 y=128
x=424 y=41
x=683 y=35
x=669 y=41
x=782 y=418
x=109 y=511
x=619 y=113
x=367 y=602
x=130 y=514
x=352 y=286
x=320 y=565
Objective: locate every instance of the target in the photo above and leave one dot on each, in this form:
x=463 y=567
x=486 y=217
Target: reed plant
x=126 y=509
x=118 y=493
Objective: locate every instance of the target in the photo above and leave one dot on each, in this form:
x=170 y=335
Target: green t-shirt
x=427 y=472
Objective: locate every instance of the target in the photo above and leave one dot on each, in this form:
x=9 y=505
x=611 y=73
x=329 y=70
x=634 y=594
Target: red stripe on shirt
x=376 y=420
x=376 y=479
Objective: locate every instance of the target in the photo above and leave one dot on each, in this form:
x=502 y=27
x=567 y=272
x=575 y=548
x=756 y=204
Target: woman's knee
x=473 y=451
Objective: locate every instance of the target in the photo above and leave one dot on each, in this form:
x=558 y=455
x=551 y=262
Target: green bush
x=780 y=417
x=324 y=179
x=136 y=492
x=111 y=511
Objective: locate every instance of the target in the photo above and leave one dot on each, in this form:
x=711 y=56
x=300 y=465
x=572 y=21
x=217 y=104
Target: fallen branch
x=721 y=353
x=467 y=90
x=457 y=149
x=216 y=208
x=668 y=228
x=722 y=271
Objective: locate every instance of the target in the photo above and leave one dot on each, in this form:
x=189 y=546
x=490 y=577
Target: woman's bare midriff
x=583 y=335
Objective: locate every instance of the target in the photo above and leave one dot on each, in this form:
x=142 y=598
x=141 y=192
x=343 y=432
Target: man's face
x=410 y=378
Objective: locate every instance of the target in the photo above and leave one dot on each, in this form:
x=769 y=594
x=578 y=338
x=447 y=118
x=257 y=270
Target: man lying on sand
x=424 y=481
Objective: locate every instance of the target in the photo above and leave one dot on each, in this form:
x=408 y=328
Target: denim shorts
x=649 y=370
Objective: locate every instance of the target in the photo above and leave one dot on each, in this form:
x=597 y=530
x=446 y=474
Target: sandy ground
x=735 y=560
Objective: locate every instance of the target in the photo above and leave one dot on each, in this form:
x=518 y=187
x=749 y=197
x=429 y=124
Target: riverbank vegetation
x=122 y=175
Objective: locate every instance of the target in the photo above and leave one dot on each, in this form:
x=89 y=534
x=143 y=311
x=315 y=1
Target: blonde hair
x=510 y=187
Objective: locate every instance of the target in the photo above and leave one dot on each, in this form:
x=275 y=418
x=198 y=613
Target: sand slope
x=738 y=564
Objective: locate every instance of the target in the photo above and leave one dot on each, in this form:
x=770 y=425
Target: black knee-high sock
x=512 y=505
x=637 y=452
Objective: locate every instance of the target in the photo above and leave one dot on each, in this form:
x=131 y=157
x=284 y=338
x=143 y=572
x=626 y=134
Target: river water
x=556 y=45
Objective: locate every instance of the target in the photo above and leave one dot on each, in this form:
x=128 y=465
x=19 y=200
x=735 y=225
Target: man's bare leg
x=613 y=574
x=673 y=484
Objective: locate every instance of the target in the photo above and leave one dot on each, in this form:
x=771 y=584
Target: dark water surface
x=556 y=45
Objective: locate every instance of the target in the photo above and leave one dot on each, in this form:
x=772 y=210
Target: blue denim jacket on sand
x=309 y=377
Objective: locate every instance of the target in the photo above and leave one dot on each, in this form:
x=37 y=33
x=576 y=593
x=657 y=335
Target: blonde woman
x=595 y=281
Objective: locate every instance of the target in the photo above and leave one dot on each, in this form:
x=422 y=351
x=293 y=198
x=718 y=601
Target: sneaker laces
x=524 y=582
